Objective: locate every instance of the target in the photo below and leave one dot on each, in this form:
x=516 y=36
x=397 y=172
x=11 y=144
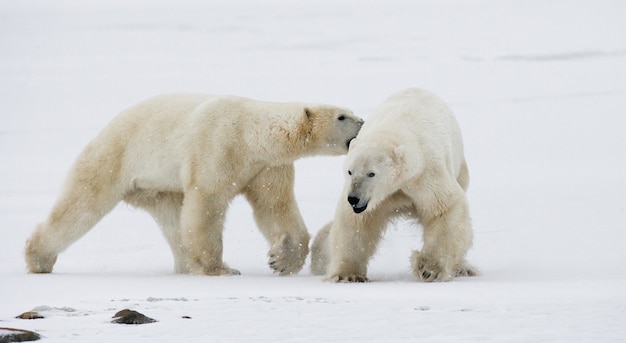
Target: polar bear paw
x=225 y=271
x=287 y=256
x=465 y=269
x=428 y=269
x=38 y=261
x=347 y=278
x=222 y=270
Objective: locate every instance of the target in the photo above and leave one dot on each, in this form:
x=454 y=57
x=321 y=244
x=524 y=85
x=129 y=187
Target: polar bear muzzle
x=358 y=205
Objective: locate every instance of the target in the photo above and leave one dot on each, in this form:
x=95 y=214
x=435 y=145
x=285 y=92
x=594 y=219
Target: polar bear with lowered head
x=407 y=161
x=183 y=158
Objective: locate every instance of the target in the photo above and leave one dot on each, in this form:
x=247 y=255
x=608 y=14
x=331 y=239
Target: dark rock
x=29 y=315
x=8 y=335
x=127 y=316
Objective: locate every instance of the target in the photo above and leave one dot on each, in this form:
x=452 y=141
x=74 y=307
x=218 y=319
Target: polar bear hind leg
x=165 y=208
x=320 y=256
x=89 y=193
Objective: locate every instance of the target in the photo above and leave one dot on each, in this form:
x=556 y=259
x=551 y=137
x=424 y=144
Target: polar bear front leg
x=447 y=238
x=277 y=215
x=202 y=224
x=348 y=257
x=352 y=242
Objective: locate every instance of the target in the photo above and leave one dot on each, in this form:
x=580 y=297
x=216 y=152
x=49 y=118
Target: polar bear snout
x=358 y=205
x=358 y=123
x=346 y=127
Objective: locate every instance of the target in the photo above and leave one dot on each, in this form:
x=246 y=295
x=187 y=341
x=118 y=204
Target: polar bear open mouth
x=354 y=202
x=359 y=209
x=349 y=141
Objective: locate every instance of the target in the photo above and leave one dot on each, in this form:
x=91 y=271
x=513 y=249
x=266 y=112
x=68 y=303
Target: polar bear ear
x=398 y=153
x=308 y=112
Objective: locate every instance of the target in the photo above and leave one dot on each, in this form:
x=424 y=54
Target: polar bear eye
x=371 y=174
x=342 y=117
x=349 y=172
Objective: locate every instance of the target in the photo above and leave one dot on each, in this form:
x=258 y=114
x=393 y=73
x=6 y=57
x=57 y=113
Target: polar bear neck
x=281 y=136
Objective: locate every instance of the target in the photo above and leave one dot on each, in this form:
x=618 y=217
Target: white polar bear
x=183 y=158
x=406 y=161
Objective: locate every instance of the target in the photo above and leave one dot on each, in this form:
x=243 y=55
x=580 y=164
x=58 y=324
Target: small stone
x=127 y=316
x=29 y=315
x=8 y=335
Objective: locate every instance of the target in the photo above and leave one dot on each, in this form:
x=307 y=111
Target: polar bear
x=406 y=161
x=183 y=158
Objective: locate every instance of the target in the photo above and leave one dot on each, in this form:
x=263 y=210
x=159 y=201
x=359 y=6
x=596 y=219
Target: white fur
x=406 y=161
x=183 y=158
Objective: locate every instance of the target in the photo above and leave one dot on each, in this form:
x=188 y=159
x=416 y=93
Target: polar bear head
x=330 y=129
x=373 y=172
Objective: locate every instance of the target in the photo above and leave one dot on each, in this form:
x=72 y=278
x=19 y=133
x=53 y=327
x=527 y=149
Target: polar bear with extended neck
x=183 y=158
x=407 y=161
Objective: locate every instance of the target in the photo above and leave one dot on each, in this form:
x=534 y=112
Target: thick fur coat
x=183 y=158
x=406 y=161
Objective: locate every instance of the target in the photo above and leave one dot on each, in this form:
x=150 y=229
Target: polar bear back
x=419 y=120
x=232 y=132
x=147 y=138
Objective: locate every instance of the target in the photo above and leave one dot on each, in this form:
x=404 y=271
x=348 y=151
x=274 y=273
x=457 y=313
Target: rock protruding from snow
x=30 y=315
x=127 y=316
x=8 y=335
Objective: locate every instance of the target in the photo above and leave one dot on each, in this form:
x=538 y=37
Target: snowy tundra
x=537 y=87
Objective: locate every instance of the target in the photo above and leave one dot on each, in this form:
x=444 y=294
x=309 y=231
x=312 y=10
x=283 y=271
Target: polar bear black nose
x=353 y=201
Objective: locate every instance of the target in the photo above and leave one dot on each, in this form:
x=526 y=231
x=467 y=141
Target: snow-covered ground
x=539 y=88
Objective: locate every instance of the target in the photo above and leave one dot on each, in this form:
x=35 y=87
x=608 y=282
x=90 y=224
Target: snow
x=539 y=89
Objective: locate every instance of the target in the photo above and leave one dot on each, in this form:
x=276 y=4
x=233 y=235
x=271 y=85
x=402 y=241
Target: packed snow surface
x=539 y=90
